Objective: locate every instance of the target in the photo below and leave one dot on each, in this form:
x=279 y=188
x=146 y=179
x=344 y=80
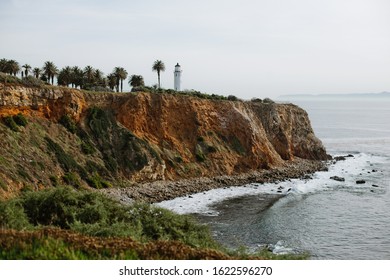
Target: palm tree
x=158 y=66
x=121 y=75
x=3 y=65
x=77 y=77
x=136 y=81
x=50 y=70
x=98 y=77
x=65 y=76
x=12 y=67
x=89 y=74
x=27 y=69
x=37 y=72
x=112 y=81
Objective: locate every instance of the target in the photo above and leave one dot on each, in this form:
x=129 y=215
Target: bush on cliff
x=10 y=122
x=20 y=120
x=94 y=214
x=13 y=122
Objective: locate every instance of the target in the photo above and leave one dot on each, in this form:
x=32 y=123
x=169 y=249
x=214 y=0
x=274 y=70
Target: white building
x=177 y=77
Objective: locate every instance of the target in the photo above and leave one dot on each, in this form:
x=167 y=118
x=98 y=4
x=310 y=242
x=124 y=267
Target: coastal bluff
x=102 y=140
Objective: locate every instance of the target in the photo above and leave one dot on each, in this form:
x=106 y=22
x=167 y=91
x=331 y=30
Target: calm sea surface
x=328 y=219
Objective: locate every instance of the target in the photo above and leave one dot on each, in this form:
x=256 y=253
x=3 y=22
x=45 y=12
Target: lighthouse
x=177 y=74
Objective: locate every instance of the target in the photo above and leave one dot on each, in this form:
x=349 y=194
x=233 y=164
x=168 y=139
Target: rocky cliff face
x=123 y=138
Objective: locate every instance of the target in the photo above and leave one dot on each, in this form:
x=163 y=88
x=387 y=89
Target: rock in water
x=337 y=178
x=360 y=182
x=339 y=158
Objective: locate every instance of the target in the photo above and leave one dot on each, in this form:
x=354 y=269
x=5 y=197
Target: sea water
x=326 y=218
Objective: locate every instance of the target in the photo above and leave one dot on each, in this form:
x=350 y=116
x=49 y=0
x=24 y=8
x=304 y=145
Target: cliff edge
x=108 y=139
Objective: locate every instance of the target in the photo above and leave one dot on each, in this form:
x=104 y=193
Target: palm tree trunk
x=121 y=85
x=158 y=74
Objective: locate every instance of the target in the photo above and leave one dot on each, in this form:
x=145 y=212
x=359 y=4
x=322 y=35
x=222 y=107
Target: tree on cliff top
x=136 y=81
x=158 y=66
x=11 y=67
x=27 y=69
x=37 y=72
x=50 y=70
x=121 y=74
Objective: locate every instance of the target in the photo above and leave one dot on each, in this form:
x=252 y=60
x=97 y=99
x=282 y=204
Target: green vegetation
x=71 y=179
x=87 y=147
x=233 y=98
x=200 y=156
x=136 y=81
x=98 y=182
x=92 y=79
x=20 y=120
x=236 y=145
x=121 y=150
x=68 y=123
x=159 y=67
x=13 y=122
x=10 y=122
x=66 y=161
x=62 y=223
x=268 y=100
x=3 y=185
x=94 y=214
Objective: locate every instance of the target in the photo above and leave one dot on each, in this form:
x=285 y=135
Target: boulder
x=337 y=178
x=339 y=158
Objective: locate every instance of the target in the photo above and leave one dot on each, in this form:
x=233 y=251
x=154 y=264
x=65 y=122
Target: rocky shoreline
x=158 y=191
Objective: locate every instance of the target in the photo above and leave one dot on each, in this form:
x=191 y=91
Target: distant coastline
x=384 y=94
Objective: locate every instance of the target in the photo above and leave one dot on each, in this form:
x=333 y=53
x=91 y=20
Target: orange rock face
x=192 y=136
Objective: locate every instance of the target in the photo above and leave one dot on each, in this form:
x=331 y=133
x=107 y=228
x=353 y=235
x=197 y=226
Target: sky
x=248 y=48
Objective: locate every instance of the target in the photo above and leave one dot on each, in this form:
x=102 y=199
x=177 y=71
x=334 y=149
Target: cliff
x=102 y=139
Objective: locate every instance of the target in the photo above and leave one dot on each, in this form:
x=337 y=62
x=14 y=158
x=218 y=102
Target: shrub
x=211 y=149
x=71 y=179
x=66 y=161
x=200 y=156
x=5 y=78
x=12 y=215
x=3 y=185
x=179 y=159
x=97 y=182
x=87 y=148
x=32 y=81
x=10 y=122
x=93 y=213
x=54 y=181
x=232 y=98
x=257 y=100
x=20 y=120
x=268 y=100
x=68 y=123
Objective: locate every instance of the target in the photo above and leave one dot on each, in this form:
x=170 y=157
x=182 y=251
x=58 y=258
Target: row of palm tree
x=87 y=78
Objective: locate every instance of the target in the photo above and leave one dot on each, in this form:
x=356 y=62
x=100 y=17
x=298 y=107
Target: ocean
x=326 y=218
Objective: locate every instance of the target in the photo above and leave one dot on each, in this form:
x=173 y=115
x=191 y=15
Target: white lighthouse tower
x=177 y=77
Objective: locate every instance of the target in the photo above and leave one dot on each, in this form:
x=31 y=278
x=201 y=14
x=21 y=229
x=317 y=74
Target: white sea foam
x=351 y=169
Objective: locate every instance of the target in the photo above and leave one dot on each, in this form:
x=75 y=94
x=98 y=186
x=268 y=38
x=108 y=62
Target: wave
x=360 y=166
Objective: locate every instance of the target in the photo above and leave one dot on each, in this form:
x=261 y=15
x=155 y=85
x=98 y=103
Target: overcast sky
x=248 y=48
